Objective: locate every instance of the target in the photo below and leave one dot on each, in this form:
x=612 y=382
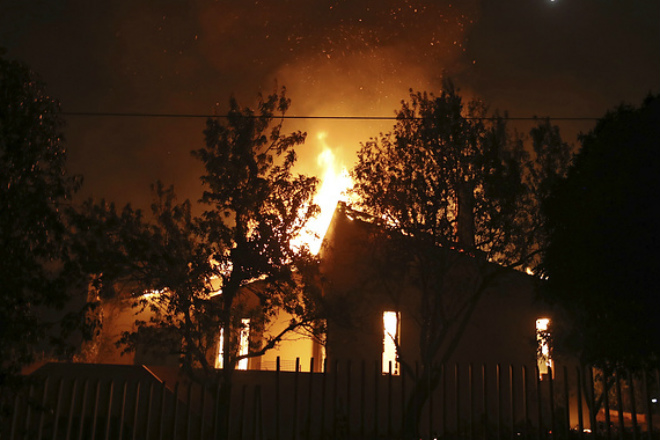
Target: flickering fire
x=334 y=184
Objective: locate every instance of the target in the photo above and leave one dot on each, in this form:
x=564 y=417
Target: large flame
x=334 y=185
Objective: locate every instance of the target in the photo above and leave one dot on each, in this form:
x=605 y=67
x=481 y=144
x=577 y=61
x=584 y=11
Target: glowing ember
x=334 y=183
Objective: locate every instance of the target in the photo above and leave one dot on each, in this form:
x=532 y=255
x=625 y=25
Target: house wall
x=501 y=328
x=120 y=317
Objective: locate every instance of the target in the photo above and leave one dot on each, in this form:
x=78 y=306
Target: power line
x=351 y=118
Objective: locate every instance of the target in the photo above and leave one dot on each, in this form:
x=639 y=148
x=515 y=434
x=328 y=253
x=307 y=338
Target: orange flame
x=334 y=184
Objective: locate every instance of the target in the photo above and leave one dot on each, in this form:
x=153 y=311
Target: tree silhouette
x=34 y=187
x=602 y=262
x=453 y=192
x=200 y=274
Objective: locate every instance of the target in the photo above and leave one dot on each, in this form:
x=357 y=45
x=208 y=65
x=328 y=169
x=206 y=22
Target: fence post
x=42 y=414
x=149 y=405
x=484 y=399
x=539 y=403
x=83 y=407
x=348 y=397
x=58 y=402
x=567 y=408
x=122 y=412
x=28 y=412
x=323 y=392
x=376 y=373
x=443 y=373
x=189 y=411
x=647 y=401
x=202 y=408
x=471 y=399
x=458 y=399
x=606 y=402
x=619 y=404
x=308 y=427
x=241 y=417
x=96 y=409
x=175 y=410
x=363 y=379
x=389 y=399
x=525 y=402
x=335 y=385
x=403 y=399
x=633 y=406
x=498 y=379
x=136 y=404
x=109 y=412
x=578 y=375
x=551 y=393
x=592 y=401
x=277 y=398
x=296 y=375
x=14 y=418
x=161 y=418
x=257 y=414
x=512 y=397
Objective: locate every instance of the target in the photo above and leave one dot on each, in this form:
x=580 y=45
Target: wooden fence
x=348 y=400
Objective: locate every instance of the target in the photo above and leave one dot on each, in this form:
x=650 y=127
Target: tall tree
x=34 y=186
x=450 y=187
x=205 y=274
x=256 y=207
x=602 y=262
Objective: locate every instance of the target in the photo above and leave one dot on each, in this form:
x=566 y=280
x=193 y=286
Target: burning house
x=377 y=310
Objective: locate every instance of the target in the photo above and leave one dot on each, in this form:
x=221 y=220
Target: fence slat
x=14 y=417
x=592 y=398
x=578 y=376
x=484 y=399
x=567 y=406
x=541 y=429
x=376 y=376
x=109 y=413
x=136 y=404
x=122 y=412
x=97 y=396
x=525 y=402
x=58 y=403
x=633 y=406
x=619 y=404
x=161 y=417
x=83 y=407
x=606 y=402
x=28 y=409
x=647 y=401
x=499 y=405
x=471 y=399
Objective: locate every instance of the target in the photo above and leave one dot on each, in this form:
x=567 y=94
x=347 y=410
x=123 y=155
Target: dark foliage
x=457 y=197
x=34 y=186
x=602 y=261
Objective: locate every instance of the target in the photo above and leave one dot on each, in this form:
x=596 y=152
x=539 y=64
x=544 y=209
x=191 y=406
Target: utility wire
x=352 y=118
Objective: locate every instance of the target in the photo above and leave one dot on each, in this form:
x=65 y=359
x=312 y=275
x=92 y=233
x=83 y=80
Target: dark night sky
x=567 y=58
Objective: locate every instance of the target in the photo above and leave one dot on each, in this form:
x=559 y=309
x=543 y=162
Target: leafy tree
x=602 y=262
x=207 y=273
x=34 y=186
x=451 y=188
x=256 y=206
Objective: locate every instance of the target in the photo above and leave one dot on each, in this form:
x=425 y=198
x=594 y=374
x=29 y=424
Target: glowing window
x=244 y=344
x=243 y=347
x=391 y=338
x=543 y=348
x=221 y=351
